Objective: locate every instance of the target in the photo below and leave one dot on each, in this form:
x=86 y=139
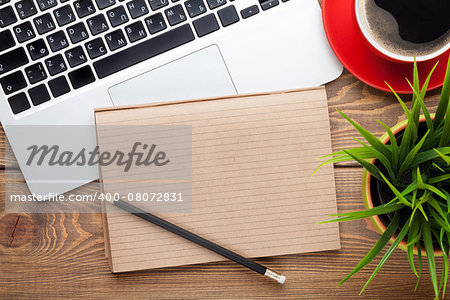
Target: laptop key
x=12 y=60
x=97 y=24
x=117 y=16
x=195 y=7
x=64 y=15
x=44 y=23
x=19 y=103
x=57 y=41
x=7 y=16
x=95 y=48
x=205 y=25
x=39 y=94
x=25 y=8
x=4 y=1
x=102 y=4
x=6 y=40
x=55 y=64
x=37 y=49
x=137 y=8
x=76 y=56
x=144 y=50
x=46 y=4
x=81 y=77
x=267 y=4
x=135 y=31
x=35 y=73
x=157 y=4
x=175 y=15
x=155 y=23
x=84 y=8
x=228 y=15
x=216 y=3
x=77 y=33
x=24 y=32
x=13 y=82
x=59 y=86
x=249 y=11
x=115 y=40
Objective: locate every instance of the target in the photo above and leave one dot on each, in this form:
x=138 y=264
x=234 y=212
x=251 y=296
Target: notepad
x=255 y=195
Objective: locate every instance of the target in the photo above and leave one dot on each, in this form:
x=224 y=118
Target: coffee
x=408 y=27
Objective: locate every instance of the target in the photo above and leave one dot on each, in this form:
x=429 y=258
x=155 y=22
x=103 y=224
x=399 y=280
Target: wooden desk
x=61 y=255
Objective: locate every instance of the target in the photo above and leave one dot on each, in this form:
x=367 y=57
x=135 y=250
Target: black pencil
x=200 y=241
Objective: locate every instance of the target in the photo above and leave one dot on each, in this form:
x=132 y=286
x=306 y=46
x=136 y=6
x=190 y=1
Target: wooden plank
x=365 y=105
x=62 y=255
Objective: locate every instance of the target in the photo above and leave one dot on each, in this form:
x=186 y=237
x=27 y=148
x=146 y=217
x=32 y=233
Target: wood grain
x=62 y=255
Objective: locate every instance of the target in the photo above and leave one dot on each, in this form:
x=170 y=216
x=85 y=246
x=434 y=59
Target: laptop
x=61 y=59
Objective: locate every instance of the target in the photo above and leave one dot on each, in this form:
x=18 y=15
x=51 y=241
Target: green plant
x=416 y=168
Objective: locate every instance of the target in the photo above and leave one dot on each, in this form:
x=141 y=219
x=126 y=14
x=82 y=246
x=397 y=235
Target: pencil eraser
x=282 y=279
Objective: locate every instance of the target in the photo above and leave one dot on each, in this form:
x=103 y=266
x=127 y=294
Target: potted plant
x=406 y=184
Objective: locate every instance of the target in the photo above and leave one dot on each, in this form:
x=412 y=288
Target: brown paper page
x=252 y=190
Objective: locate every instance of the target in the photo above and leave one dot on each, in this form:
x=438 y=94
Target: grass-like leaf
x=388 y=253
x=441 y=242
x=379 y=245
x=399 y=195
x=419 y=262
x=414 y=236
x=374 y=141
x=447 y=195
x=445 y=158
x=439 y=220
x=436 y=205
x=410 y=188
x=420 y=183
x=419 y=99
x=383 y=159
x=411 y=155
x=341 y=156
x=394 y=145
x=425 y=197
x=444 y=100
x=445 y=137
x=428 y=243
x=356 y=215
x=372 y=169
x=439 y=179
x=409 y=129
x=414 y=198
x=428 y=156
x=444 y=276
x=444 y=110
x=415 y=110
x=435 y=190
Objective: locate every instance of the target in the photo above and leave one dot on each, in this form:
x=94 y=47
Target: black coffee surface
x=419 y=21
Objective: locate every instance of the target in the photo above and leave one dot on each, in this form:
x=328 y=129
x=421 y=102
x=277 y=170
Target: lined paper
x=252 y=190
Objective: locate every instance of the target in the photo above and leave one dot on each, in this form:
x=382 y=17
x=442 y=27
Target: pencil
x=200 y=241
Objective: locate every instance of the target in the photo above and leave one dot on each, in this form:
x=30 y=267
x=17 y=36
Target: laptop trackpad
x=201 y=74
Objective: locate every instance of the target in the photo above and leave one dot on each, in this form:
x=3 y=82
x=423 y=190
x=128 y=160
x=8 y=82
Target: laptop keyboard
x=49 y=48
